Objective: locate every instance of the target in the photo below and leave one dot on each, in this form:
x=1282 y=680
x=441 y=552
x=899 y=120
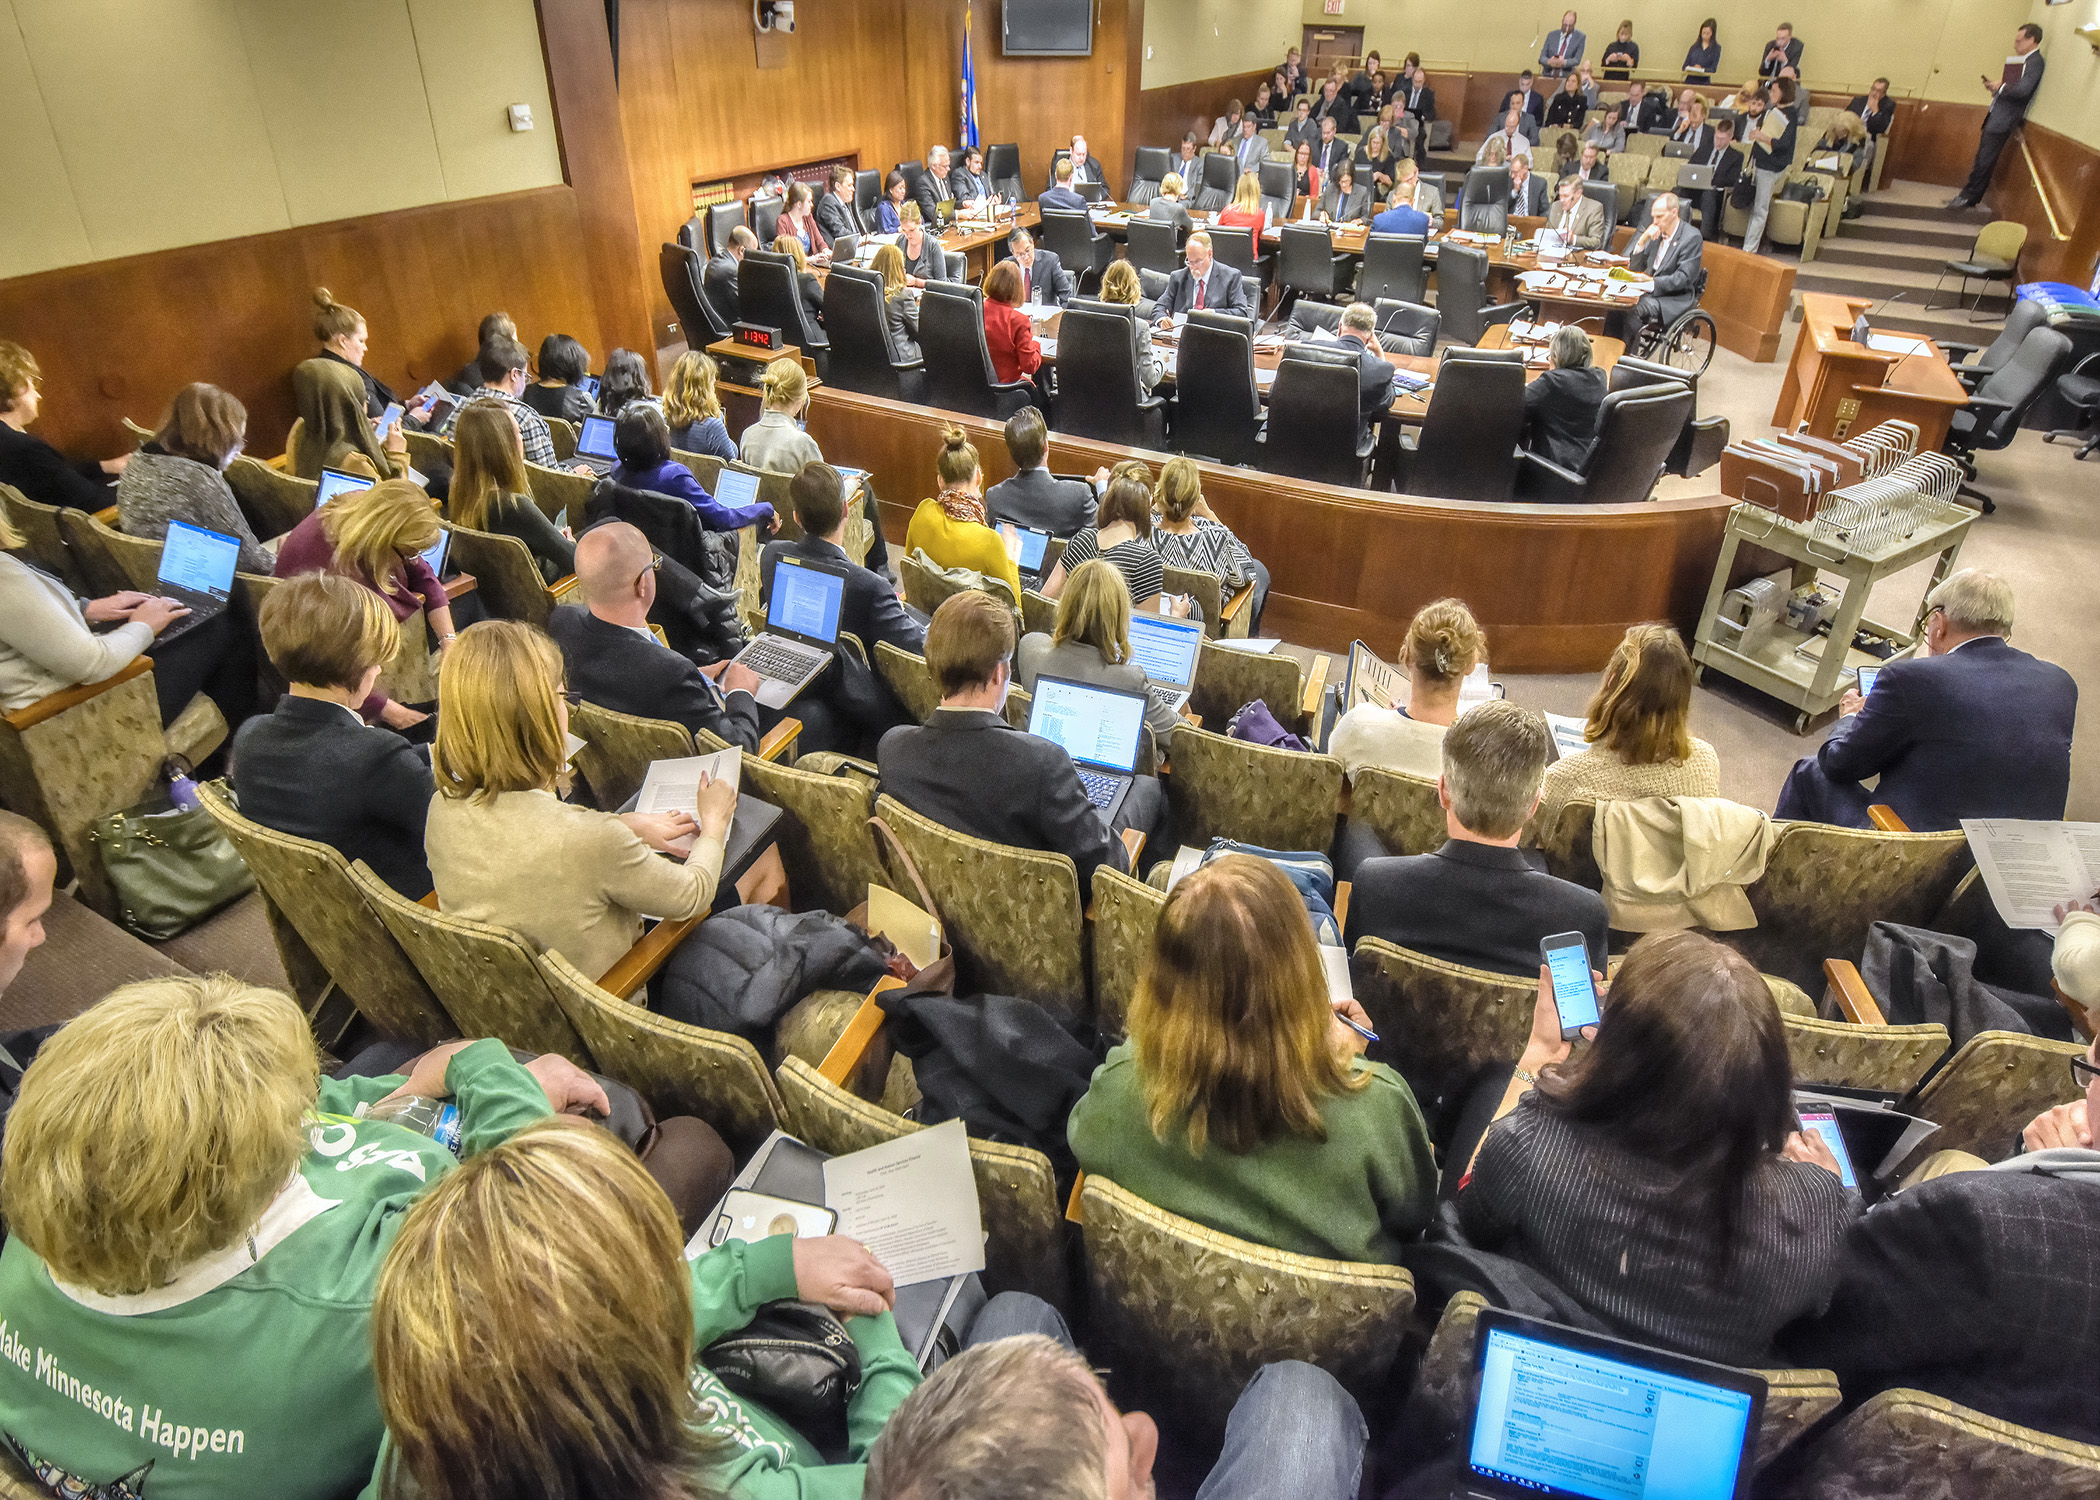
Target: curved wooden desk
x=1555 y=586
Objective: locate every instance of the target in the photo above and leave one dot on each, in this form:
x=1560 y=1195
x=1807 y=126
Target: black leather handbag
x=797 y=1361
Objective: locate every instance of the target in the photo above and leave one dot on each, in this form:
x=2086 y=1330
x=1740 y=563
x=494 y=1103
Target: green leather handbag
x=171 y=867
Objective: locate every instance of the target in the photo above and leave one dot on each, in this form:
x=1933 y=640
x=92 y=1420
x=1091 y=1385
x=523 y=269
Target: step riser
x=1870 y=256
x=1872 y=229
x=1931 y=213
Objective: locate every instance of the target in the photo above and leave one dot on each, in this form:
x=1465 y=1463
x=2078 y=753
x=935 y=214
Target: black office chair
x=1151 y=167
x=692 y=234
x=1155 y=245
x=1484 y=203
x=863 y=352
x=2026 y=316
x=1407 y=327
x=958 y=363
x=721 y=218
x=2080 y=391
x=1308 y=266
x=1071 y=238
x=1606 y=195
x=1098 y=393
x=914 y=172
x=1992 y=417
x=867 y=195
x=682 y=271
x=771 y=296
x=1441 y=181
x=1221 y=174
x=1217 y=401
x=765 y=218
x=1467 y=446
x=1636 y=429
x=1393 y=268
x=1313 y=418
x=1461 y=294
x=1275 y=179
x=1699 y=446
x=1002 y=164
x=1234 y=247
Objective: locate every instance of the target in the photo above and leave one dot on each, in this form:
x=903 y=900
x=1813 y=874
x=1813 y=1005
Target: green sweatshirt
x=1360 y=1195
x=249 y=1375
x=750 y=1454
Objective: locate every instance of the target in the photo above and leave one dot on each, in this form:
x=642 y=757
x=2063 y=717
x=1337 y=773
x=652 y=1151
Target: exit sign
x=1332 y=8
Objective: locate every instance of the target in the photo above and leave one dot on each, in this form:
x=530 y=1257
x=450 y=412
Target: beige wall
x=2069 y=99
x=1190 y=39
x=135 y=125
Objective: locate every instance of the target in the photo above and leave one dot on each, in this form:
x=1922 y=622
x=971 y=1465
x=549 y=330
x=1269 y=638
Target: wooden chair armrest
x=430 y=900
x=280 y=463
x=2081 y=1022
x=1887 y=819
x=1073 y=1211
x=72 y=697
x=1341 y=904
x=647 y=956
x=1230 y=610
x=107 y=516
x=779 y=740
x=852 y=1045
x=1854 y=1001
x=1347 y=799
x=1315 y=685
x=562 y=587
x=1134 y=841
x=458 y=584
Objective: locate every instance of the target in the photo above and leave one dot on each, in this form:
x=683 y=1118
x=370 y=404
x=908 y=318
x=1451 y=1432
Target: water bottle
x=437 y=1118
x=182 y=791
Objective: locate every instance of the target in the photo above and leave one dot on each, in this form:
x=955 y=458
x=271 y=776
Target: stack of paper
x=913 y=1203
x=674 y=785
x=2030 y=868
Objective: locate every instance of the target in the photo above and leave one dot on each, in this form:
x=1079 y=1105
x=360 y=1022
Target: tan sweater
x=571 y=879
x=1599 y=775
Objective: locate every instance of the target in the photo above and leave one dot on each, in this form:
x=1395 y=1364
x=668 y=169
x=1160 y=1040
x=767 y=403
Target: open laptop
x=594 y=446
x=1681 y=149
x=802 y=626
x=437 y=553
x=196 y=569
x=335 y=482
x=1099 y=728
x=1027 y=547
x=736 y=487
x=1167 y=649
x=1559 y=1412
x=1691 y=179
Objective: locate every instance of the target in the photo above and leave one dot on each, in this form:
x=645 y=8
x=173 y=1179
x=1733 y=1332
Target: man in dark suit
x=1418 y=99
x=968 y=769
x=1975 y=729
x=1328 y=152
x=719 y=281
x=613 y=660
x=836 y=214
x=1783 y=51
x=2008 y=109
x=1204 y=284
x=934 y=186
x=1671 y=251
x=1480 y=900
x=314 y=768
x=1084 y=167
x=1727 y=163
x=1979 y=1285
x=1043 y=276
x=1527 y=190
x=1333 y=106
x=1061 y=195
x=1035 y=497
x=1375 y=373
x=1646 y=109
x=1560 y=407
x=1527 y=99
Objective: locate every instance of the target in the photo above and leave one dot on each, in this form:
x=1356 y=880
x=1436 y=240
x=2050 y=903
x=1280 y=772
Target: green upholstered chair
x=1892 y=1058
x=1227 y=679
x=109 y=560
x=1038 y=612
x=324 y=912
x=825 y=843
x=1400 y=808
x=1987 y=1092
x=272 y=500
x=1226 y=616
x=1565 y=842
x=507 y=576
x=1447 y=1021
x=1232 y=789
x=559 y=492
x=1908 y=1445
x=1124 y=913
x=679 y=1069
x=427 y=451
x=908 y=677
x=1188 y=1315
x=562 y=434
x=44 y=543
x=1012 y=915
x=617 y=749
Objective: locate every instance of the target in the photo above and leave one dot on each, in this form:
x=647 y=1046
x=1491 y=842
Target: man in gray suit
x=1562 y=51
x=1203 y=284
x=1670 y=250
x=1577 y=220
x=1044 y=278
x=1035 y=497
x=2008 y=108
x=934 y=187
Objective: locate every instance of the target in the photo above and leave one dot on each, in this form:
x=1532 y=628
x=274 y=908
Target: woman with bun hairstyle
x=951 y=528
x=1442 y=645
x=776 y=441
x=341 y=333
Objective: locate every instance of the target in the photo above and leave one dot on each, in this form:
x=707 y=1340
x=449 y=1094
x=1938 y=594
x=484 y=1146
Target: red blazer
x=1011 y=338
x=1235 y=217
x=817 y=243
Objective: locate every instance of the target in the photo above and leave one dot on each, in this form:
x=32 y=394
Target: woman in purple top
x=643 y=441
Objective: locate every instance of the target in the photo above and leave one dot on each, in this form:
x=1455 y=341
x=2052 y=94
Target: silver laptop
x=1167 y=649
x=594 y=446
x=1027 y=547
x=1099 y=728
x=1681 y=148
x=1692 y=179
x=1558 y=1412
x=802 y=626
x=196 y=570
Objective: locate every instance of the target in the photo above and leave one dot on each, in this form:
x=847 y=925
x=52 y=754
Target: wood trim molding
x=50 y=708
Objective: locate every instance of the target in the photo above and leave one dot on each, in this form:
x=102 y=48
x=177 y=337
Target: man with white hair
x=934 y=187
x=1374 y=370
x=1670 y=250
x=1970 y=728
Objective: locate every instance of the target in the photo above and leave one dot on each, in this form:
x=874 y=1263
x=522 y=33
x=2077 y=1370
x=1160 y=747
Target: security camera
x=773 y=15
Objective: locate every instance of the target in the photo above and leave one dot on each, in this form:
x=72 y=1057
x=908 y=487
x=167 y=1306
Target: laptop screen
x=596 y=439
x=1094 y=725
x=1166 y=648
x=434 y=554
x=335 y=482
x=198 y=560
x=1558 y=1419
x=806 y=601
x=736 y=487
x=1027 y=546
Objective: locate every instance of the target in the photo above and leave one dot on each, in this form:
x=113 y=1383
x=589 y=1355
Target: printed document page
x=674 y=785
x=913 y=1202
x=2029 y=867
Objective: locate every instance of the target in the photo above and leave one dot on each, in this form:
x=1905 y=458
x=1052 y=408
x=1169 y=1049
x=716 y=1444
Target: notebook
x=594 y=446
x=1099 y=728
x=1563 y=1413
x=1167 y=649
x=802 y=625
x=196 y=569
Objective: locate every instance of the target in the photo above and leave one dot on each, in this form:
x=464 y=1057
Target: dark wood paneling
x=118 y=338
x=1039 y=102
x=1933 y=141
x=2070 y=172
x=1555 y=586
x=1164 y=115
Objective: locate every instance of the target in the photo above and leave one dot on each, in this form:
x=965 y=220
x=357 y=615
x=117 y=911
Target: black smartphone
x=1824 y=1123
x=1567 y=960
x=1866 y=679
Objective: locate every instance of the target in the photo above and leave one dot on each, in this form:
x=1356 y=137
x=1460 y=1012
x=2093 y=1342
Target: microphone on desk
x=1860 y=326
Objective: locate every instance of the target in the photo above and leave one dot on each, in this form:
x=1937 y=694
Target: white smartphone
x=1866 y=679
x=1567 y=959
x=388 y=419
x=752 y=1217
x=1825 y=1124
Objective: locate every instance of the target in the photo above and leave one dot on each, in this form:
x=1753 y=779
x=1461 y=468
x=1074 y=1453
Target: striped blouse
x=1136 y=559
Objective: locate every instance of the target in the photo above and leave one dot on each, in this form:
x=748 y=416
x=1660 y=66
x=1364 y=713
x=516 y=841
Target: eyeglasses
x=2083 y=1073
x=573 y=699
x=656 y=561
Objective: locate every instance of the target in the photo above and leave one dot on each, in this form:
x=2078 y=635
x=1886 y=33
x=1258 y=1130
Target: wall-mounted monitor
x=1046 y=28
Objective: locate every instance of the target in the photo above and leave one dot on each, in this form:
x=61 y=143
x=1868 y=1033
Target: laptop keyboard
x=1100 y=786
x=1164 y=697
x=770 y=659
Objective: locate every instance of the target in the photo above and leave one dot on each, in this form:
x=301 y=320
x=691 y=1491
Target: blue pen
x=1363 y=1031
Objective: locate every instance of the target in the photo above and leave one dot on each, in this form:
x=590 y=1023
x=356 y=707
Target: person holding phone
x=1659 y=1180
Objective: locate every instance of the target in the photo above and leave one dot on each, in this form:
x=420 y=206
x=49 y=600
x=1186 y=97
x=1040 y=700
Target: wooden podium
x=1837 y=387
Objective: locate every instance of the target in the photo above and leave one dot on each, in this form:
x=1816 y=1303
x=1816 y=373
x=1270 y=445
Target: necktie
x=1199 y=294
x=1024 y=283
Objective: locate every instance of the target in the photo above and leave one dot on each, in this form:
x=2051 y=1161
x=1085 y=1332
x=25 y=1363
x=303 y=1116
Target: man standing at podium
x=2009 y=96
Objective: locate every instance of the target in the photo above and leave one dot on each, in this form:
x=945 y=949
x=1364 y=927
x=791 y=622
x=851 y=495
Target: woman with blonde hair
x=505 y=850
x=1442 y=646
x=537 y=1331
x=900 y=304
x=806 y=282
x=776 y=442
x=1091 y=642
x=1167 y=205
x=1241 y=1100
x=1120 y=285
x=377 y=537
x=1640 y=742
x=693 y=410
x=1245 y=210
x=951 y=528
x=490 y=491
x=193 y=1207
x=1189 y=535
